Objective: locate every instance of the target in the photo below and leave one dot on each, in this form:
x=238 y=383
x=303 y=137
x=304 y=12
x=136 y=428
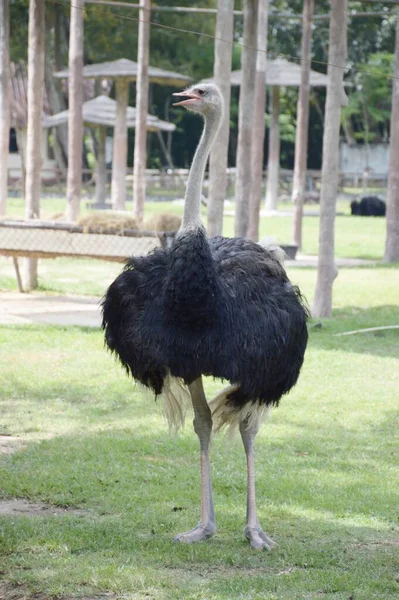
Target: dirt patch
x=9 y=444
x=375 y=544
x=16 y=592
x=21 y=507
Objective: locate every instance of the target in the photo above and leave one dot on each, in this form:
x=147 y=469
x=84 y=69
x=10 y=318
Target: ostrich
x=221 y=307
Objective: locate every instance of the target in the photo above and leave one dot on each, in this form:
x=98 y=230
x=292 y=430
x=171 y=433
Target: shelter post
x=101 y=171
x=273 y=165
x=4 y=102
x=75 y=118
x=219 y=154
x=301 y=137
x=119 y=152
x=140 y=140
x=34 y=129
x=258 y=131
x=245 y=117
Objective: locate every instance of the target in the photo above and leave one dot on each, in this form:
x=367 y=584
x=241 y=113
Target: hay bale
x=162 y=222
x=110 y=222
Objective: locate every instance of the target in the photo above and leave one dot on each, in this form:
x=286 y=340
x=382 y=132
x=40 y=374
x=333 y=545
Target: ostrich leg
x=253 y=531
x=203 y=428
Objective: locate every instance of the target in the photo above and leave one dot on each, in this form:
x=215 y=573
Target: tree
x=4 y=102
x=245 y=117
x=327 y=270
x=301 y=140
x=35 y=107
x=218 y=159
x=258 y=131
x=392 y=239
x=142 y=86
x=75 y=117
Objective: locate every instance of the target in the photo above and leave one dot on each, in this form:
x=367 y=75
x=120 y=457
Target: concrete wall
x=355 y=159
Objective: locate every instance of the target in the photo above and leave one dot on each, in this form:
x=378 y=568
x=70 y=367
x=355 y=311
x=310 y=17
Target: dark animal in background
x=220 y=307
x=369 y=206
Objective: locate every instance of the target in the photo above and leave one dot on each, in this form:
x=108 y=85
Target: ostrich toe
x=197 y=534
x=258 y=538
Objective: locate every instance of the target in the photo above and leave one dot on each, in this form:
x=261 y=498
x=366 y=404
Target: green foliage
x=369 y=108
x=111 y=33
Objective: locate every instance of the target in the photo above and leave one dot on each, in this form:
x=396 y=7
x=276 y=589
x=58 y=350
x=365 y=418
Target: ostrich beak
x=191 y=98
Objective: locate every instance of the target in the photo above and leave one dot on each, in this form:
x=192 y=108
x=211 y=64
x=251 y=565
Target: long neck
x=192 y=200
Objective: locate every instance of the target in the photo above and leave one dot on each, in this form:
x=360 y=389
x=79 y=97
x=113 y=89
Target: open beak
x=189 y=96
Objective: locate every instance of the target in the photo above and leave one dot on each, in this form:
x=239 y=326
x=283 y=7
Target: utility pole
x=219 y=153
x=336 y=97
x=36 y=34
x=392 y=240
x=75 y=116
x=245 y=117
x=142 y=86
x=4 y=102
x=301 y=138
x=258 y=131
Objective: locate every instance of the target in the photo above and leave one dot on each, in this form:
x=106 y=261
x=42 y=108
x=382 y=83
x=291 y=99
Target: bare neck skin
x=192 y=200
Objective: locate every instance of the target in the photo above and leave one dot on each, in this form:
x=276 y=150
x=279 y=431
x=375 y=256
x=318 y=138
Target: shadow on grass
x=327 y=468
x=349 y=318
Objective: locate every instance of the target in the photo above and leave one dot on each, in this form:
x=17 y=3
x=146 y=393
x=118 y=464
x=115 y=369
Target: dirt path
x=22 y=309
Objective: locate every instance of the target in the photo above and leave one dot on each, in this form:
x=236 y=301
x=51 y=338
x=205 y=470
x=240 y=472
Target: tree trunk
x=327 y=270
x=4 y=102
x=101 y=168
x=75 y=117
x=392 y=239
x=218 y=158
x=119 y=148
x=35 y=107
x=301 y=139
x=140 y=140
x=258 y=131
x=273 y=163
x=245 y=117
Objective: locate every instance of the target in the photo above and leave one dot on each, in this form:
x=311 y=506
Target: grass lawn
x=327 y=469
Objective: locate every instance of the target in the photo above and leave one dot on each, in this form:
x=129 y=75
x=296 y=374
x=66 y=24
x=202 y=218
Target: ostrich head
x=203 y=98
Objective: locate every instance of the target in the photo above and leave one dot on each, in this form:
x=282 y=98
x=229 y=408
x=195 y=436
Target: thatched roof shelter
x=128 y=69
x=283 y=73
x=124 y=71
x=101 y=111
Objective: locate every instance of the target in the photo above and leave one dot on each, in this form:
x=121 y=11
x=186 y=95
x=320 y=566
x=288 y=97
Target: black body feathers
x=221 y=307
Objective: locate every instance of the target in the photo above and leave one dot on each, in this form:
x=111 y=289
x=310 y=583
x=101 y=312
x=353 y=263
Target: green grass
x=326 y=462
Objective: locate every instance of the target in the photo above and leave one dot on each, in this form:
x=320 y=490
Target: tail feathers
x=176 y=399
x=226 y=414
x=273 y=248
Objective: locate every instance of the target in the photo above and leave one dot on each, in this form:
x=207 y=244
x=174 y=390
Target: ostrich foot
x=258 y=538
x=197 y=534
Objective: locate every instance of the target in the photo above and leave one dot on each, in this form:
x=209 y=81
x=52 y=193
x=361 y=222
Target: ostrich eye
x=201 y=92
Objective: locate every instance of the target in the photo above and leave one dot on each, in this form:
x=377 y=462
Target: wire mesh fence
x=50 y=240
